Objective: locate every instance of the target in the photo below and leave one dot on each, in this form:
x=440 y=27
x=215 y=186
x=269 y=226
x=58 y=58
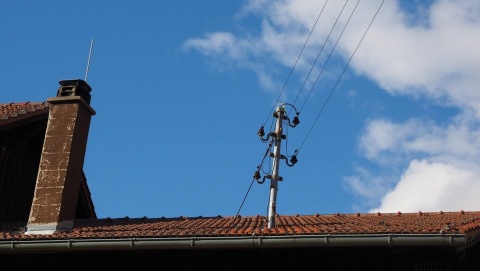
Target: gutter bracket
x=389 y=240
x=132 y=243
x=192 y=243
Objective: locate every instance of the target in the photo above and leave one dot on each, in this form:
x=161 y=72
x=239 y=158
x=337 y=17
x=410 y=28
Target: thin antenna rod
x=88 y=63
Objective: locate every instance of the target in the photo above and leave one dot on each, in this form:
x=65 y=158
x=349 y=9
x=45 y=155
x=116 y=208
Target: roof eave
x=457 y=241
x=22 y=119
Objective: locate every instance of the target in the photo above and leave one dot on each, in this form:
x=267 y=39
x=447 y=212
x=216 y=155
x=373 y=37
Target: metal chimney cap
x=77 y=83
x=74 y=87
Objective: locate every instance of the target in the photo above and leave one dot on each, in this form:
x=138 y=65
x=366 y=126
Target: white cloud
x=217 y=43
x=284 y=29
x=383 y=139
x=435 y=56
x=431 y=187
x=368 y=186
x=441 y=164
x=437 y=60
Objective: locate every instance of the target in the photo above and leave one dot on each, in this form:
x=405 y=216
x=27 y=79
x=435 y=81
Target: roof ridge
x=461 y=212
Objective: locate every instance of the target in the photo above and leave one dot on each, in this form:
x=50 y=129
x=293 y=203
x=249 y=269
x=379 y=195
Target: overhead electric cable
x=253 y=179
x=329 y=55
x=293 y=68
x=319 y=53
x=245 y=197
x=344 y=69
x=281 y=116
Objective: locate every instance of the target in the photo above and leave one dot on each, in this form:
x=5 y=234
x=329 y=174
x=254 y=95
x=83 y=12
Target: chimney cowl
x=74 y=87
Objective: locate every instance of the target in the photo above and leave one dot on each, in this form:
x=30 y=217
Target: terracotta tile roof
x=15 y=114
x=12 y=110
x=464 y=223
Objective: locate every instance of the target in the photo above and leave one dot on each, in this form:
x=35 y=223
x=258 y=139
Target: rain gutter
x=243 y=242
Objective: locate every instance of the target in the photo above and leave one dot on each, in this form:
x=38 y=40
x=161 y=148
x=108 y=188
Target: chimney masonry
x=61 y=163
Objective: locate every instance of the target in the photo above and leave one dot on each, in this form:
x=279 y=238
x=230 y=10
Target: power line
x=280 y=113
x=255 y=177
x=291 y=71
x=344 y=69
x=318 y=55
x=329 y=55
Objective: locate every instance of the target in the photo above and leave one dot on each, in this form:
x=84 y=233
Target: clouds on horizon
x=432 y=54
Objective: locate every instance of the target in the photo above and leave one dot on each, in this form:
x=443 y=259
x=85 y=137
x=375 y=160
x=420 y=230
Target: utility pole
x=278 y=136
x=275 y=139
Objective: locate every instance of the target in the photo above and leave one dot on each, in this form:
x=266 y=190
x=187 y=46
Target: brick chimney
x=61 y=163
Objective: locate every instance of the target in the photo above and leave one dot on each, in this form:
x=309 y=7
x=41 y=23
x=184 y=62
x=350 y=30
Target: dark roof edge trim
x=13 y=122
x=245 y=242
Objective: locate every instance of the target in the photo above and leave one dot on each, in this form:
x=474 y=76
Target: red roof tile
x=14 y=114
x=465 y=223
x=12 y=110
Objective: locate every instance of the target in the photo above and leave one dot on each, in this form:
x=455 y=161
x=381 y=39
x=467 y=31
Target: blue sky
x=181 y=89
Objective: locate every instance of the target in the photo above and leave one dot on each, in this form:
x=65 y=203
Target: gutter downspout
x=244 y=242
